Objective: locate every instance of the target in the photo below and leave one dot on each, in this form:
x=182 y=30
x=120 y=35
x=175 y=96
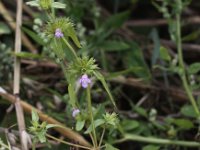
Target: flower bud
x=84 y=81
x=75 y=112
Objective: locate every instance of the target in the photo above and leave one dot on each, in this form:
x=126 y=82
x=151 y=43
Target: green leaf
x=41 y=136
x=58 y=48
x=151 y=147
x=184 y=123
x=52 y=126
x=4 y=29
x=34 y=36
x=28 y=55
x=72 y=95
x=192 y=36
x=111 y=46
x=33 y=3
x=141 y=111
x=116 y=21
x=112 y=75
x=80 y=125
x=110 y=147
x=58 y=5
x=188 y=111
x=97 y=123
x=100 y=77
x=35 y=117
x=129 y=124
x=155 y=54
x=134 y=58
x=164 y=54
x=72 y=34
x=194 y=68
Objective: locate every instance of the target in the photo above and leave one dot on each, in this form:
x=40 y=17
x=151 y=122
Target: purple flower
x=84 y=81
x=58 y=33
x=75 y=112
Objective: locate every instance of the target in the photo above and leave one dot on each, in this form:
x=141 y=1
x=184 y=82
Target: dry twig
x=67 y=132
x=19 y=110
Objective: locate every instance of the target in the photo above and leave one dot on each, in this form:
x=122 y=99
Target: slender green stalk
x=33 y=145
x=68 y=143
x=102 y=135
x=92 y=138
x=63 y=69
x=91 y=115
x=4 y=145
x=181 y=62
x=133 y=137
x=70 y=47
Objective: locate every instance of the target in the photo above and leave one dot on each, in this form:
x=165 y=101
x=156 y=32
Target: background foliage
x=134 y=43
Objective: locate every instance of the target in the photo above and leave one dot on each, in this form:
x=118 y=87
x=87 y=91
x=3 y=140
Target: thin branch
x=160 y=22
x=176 y=93
x=19 y=110
x=65 y=131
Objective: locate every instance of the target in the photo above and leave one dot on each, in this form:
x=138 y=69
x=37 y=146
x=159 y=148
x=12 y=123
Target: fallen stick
x=65 y=131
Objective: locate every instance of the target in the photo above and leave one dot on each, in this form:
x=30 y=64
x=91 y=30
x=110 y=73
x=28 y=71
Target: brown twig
x=19 y=109
x=159 y=22
x=67 y=132
x=177 y=94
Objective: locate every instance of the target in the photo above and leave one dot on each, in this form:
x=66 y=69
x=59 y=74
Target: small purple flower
x=58 y=33
x=75 y=112
x=84 y=81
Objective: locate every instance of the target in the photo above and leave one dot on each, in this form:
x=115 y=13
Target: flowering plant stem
x=181 y=62
x=33 y=145
x=102 y=135
x=153 y=140
x=91 y=115
x=67 y=143
x=70 y=47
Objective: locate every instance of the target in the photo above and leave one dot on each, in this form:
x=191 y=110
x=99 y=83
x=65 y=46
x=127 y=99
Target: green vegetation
x=100 y=75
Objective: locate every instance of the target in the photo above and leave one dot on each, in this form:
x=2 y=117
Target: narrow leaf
x=33 y=3
x=35 y=116
x=97 y=123
x=100 y=77
x=58 y=5
x=28 y=55
x=72 y=95
x=110 y=147
x=80 y=125
x=34 y=36
x=155 y=37
x=111 y=46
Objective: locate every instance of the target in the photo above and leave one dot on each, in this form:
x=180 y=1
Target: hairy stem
x=133 y=137
x=91 y=114
x=102 y=135
x=67 y=143
x=70 y=47
x=181 y=62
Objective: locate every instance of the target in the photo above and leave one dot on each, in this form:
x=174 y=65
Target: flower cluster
x=62 y=27
x=81 y=66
